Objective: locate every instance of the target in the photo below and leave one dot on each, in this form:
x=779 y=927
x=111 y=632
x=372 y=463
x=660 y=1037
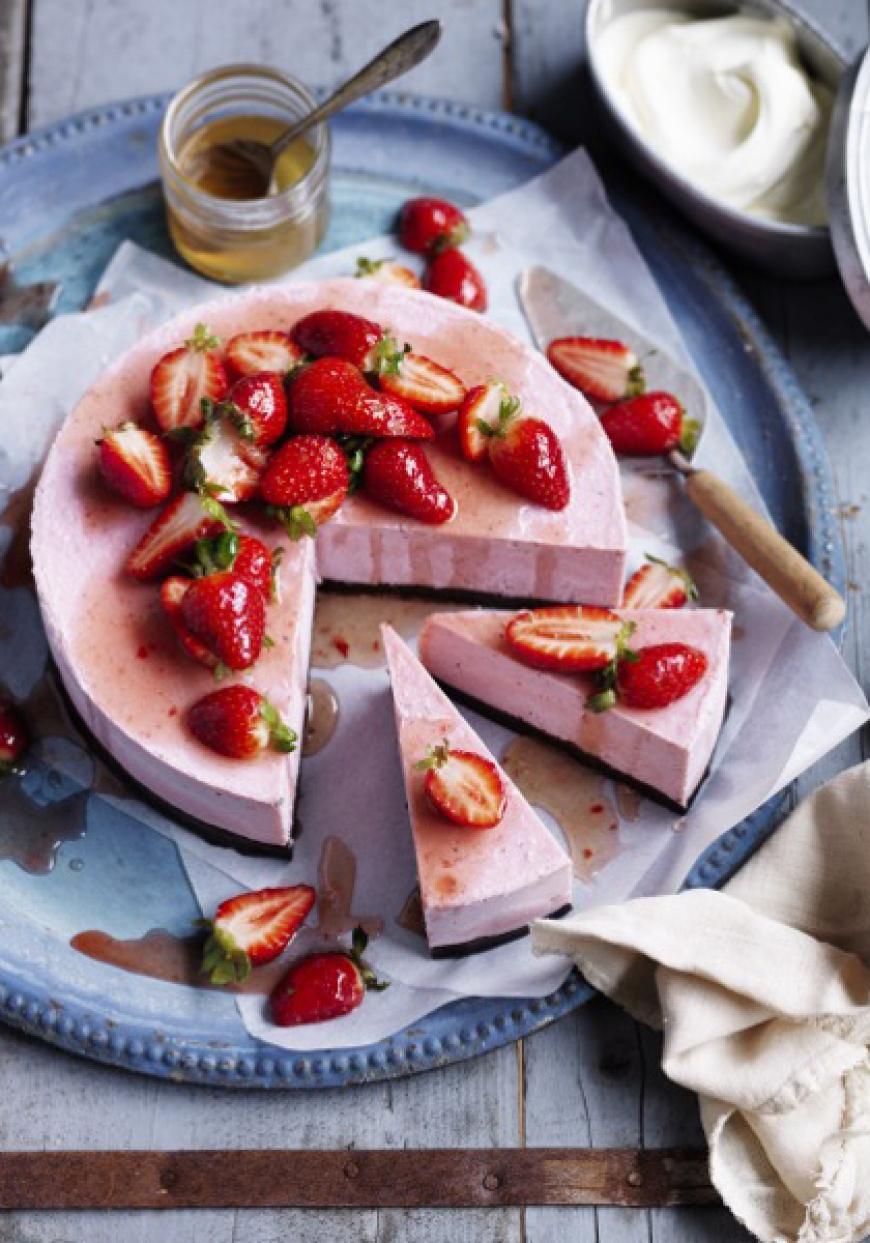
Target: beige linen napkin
x=763 y=994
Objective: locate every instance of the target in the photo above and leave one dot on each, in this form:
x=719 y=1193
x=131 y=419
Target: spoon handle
x=781 y=566
x=394 y=60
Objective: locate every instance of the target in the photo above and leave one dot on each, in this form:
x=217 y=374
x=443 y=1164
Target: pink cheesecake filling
x=118 y=657
x=473 y=883
x=667 y=749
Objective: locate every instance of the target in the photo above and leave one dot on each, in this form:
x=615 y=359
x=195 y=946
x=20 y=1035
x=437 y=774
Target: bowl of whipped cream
x=727 y=107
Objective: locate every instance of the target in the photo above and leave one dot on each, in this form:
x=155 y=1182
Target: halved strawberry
x=135 y=464
x=305 y=482
x=573 y=638
x=172 y=592
x=183 y=377
x=604 y=370
x=464 y=787
x=264 y=350
x=486 y=407
x=658 y=675
x=173 y=533
x=257 y=405
x=426 y=385
x=221 y=463
x=388 y=271
x=658 y=585
x=238 y=723
x=340 y=334
x=332 y=396
x=228 y=615
x=253 y=928
x=323 y=986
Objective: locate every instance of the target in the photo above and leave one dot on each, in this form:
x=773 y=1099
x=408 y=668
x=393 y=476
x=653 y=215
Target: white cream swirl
x=727 y=103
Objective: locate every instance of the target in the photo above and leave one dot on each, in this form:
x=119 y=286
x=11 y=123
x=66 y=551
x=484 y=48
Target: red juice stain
x=142 y=651
x=597 y=808
x=341 y=645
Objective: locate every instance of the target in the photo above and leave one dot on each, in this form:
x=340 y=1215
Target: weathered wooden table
x=594 y=1078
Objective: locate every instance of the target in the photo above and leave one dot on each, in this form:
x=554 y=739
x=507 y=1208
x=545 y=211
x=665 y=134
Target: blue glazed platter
x=69 y=194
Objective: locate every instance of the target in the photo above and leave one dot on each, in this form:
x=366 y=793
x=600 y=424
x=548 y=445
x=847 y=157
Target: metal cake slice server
x=553 y=307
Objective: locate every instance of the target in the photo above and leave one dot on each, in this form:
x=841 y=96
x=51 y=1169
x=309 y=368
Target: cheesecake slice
x=666 y=751
x=478 y=887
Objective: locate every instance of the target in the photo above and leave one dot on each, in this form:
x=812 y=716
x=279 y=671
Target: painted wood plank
x=71 y=1103
x=90 y=53
x=13 y=40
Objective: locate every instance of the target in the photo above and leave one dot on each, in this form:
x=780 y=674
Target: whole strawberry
x=258 y=407
x=14 y=737
x=228 y=616
x=251 y=929
x=305 y=482
x=323 y=986
x=659 y=675
x=451 y=275
x=135 y=464
x=340 y=334
x=246 y=555
x=185 y=376
x=398 y=474
x=651 y=677
x=238 y=722
x=331 y=396
x=427 y=225
x=172 y=593
x=527 y=456
x=650 y=424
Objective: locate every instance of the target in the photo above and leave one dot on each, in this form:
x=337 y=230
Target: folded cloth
x=762 y=991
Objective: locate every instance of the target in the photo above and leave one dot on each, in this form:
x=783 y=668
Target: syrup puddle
x=347 y=626
x=628 y=802
x=573 y=795
x=162 y=955
x=321 y=718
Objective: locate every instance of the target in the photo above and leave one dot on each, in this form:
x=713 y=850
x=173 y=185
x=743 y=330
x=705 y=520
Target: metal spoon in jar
x=252 y=163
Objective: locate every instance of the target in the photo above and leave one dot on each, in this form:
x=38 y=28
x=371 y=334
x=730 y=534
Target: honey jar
x=214 y=224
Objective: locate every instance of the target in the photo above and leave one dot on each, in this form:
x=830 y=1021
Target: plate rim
x=471 y=1026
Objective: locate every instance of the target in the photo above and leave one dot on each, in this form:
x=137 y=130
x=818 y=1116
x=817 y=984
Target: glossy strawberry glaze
x=473 y=882
x=667 y=749
x=97 y=621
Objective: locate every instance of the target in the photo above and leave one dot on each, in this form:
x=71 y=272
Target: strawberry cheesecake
x=487 y=864
x=268 y=419
x=484 y=655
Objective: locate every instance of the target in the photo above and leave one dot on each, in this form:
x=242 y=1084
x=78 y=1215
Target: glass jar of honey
x=214 y=222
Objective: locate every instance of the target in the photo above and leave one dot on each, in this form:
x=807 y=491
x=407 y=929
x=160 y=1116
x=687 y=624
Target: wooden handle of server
x=781 y=566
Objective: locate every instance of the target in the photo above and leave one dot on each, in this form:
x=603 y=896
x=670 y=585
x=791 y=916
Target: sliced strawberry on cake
x=182 y=379
x=487 y=864
x=134 y=463
x=651 y=715
x=249 y=353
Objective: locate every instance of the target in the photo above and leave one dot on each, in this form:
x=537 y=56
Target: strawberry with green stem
x=464 y=787
x=658 y=585
x=388 y=271
x=181 y=379
x=305 y=483
x=649 y=425
x=324 y=986
x=331 y=397
x=252 y=929
x=239 y=723
x=650 y=677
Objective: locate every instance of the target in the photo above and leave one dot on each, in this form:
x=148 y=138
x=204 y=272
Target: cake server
x=553 y=307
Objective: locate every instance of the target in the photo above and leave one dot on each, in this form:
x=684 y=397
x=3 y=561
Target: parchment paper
x=793 y=698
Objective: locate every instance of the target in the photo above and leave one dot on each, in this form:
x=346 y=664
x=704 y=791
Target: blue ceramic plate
x=68 y=195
